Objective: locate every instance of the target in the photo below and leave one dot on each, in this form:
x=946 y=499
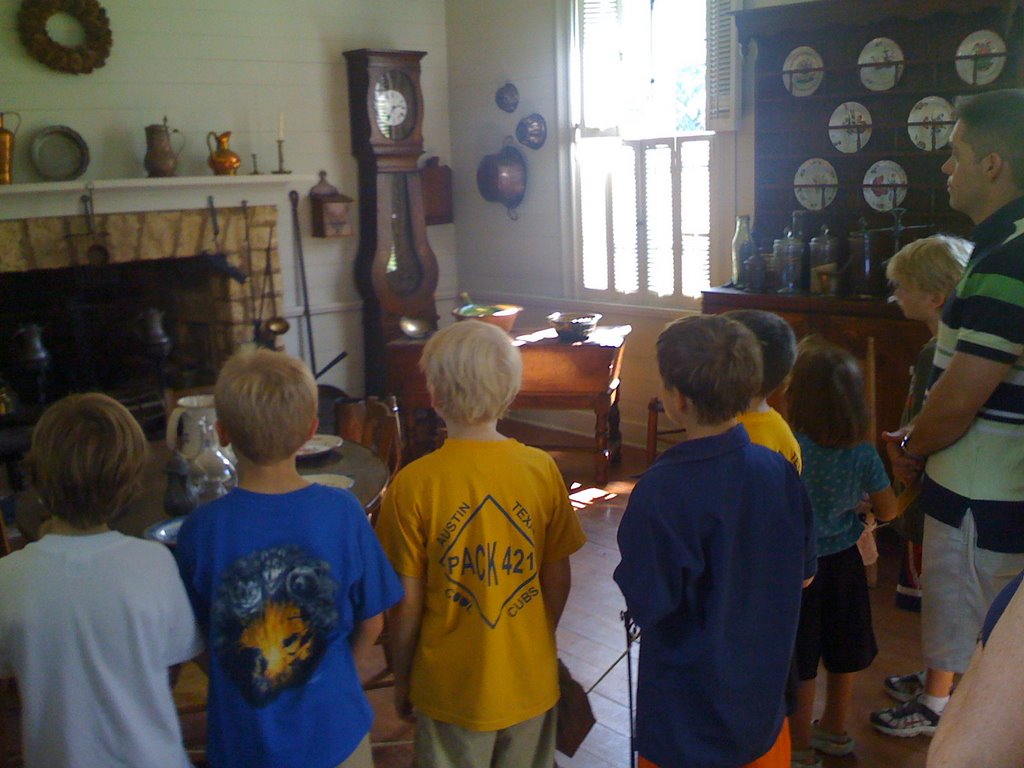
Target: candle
x=280 y=126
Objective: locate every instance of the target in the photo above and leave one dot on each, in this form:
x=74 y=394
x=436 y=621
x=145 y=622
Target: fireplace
x=163 y=310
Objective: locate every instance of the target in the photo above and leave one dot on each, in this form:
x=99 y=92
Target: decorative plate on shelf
x=318 y=445
x=803 y=71
x=885 y=185
x=974 y=60
x=815 y=184
x=331 y=481
x=849 y=128
x=881 y=64
x=59 y=153
x=931 y=123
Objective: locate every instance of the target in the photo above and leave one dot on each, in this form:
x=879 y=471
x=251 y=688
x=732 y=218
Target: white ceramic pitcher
x=188 y=410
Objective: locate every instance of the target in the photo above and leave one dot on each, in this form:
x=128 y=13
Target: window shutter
x=601 y=65
x=723 y=74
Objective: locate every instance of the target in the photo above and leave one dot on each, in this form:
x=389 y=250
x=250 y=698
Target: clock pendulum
x=396 y=271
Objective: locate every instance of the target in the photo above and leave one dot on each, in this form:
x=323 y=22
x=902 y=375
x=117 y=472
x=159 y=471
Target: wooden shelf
x=791 y=129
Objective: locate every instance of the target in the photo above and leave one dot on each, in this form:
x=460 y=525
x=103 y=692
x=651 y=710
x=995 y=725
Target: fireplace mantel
x=63 y=198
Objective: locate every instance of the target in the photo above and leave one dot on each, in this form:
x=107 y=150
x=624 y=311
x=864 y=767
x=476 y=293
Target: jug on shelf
x=222 y=160
x=7 y=147
x=161 y=158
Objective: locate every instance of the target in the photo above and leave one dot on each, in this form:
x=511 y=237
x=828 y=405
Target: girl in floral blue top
x=829 y=415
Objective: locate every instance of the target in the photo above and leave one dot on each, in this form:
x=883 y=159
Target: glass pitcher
x=211 y=471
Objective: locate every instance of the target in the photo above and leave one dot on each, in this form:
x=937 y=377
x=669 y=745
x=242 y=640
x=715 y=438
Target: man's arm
x=404 y=629
x=555 y=582
x=980 y=727
x=954 y=401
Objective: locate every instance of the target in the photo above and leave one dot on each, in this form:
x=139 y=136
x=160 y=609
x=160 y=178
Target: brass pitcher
x=7 y=147
x=161 y=158
x=222 y=160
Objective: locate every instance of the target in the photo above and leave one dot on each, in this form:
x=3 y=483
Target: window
x=642 y=153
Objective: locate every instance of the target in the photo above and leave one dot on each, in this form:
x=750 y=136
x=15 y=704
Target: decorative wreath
x=32 y=19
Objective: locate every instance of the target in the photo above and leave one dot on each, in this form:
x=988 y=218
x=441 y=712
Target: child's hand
x=402 y=704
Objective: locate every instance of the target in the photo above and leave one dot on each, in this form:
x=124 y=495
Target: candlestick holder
x=280 y=157
x=255 y=166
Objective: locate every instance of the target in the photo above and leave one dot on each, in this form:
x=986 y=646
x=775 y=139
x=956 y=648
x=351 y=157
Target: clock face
x=394 y=99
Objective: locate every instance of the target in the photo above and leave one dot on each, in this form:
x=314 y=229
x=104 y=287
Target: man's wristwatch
x=908 y=454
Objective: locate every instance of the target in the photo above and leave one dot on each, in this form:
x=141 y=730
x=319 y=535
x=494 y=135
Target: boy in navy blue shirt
x=717 y=542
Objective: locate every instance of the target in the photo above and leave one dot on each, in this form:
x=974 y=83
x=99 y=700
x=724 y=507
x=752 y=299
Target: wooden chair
x=656 y=438
x=375 y=424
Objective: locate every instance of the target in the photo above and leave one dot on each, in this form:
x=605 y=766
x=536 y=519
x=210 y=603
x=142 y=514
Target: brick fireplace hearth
x=94 y=315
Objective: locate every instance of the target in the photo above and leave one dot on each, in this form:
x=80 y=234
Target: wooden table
x=358 y=462
x=556 y=376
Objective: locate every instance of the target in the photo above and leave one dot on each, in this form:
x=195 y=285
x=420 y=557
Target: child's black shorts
x=835 y=618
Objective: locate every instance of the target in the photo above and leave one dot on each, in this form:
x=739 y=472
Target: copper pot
x=501 y=178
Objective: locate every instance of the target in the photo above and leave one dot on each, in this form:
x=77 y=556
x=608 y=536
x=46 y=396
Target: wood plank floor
x=591 y=638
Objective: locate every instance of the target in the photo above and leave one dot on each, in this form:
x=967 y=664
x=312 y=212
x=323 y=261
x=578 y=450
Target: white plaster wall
x=216 y=65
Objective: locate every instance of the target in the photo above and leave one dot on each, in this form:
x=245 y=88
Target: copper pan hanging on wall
x=501 y=178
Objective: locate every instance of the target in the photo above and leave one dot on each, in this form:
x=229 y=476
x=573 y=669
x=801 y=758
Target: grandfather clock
x=396 y=271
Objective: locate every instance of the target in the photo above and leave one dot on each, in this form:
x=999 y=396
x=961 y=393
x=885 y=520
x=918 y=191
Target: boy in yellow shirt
x=764 y=424
x=480 y=532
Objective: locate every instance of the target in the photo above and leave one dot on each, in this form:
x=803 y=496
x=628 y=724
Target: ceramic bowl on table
x=573 y=326
x=502 y=315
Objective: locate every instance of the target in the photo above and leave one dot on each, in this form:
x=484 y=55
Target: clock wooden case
x=396 y=270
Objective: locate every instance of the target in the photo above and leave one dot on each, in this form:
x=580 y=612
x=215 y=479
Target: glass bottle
x=211 y=471
x=742 y=249
x=792 y=249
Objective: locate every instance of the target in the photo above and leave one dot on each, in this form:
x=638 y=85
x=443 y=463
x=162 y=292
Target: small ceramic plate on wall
x=885 y=185
x=849 y=128
x=815 y=184
x=980 y=57
x=803 y=71
x=881 y=64
x=931 y=123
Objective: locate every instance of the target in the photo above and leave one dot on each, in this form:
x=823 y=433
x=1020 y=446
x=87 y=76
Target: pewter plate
x=59 y=153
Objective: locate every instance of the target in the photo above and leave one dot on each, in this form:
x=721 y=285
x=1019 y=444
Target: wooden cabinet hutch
x=793 y=129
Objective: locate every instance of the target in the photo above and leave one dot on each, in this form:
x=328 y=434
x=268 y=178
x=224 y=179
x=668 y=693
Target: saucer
x=885 y=185
x=803 y=71
x=331 y=481
x=849 y=128
x=881 y=64
x=980 y=57
x=318 y=445
x=815 y=184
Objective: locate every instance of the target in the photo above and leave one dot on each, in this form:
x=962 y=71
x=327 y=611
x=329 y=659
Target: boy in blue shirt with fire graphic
x=287 y=581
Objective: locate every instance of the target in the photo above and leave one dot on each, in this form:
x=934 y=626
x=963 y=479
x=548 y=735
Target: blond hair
x=86 y=460
x=713 y=360
x=473 y=371
x=266 y=401
x=932 y=264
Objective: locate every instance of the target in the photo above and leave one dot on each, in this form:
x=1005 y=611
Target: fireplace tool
x=276 y=325
x=293 y=197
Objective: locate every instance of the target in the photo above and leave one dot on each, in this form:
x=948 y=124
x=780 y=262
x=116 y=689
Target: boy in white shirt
x=92 y=619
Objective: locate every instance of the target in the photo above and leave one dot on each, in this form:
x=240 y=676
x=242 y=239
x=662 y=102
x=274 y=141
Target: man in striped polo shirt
x=969 y=437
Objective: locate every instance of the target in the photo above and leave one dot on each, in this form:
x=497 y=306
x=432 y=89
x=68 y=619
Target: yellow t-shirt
x=476 y=520
x=769 y=429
